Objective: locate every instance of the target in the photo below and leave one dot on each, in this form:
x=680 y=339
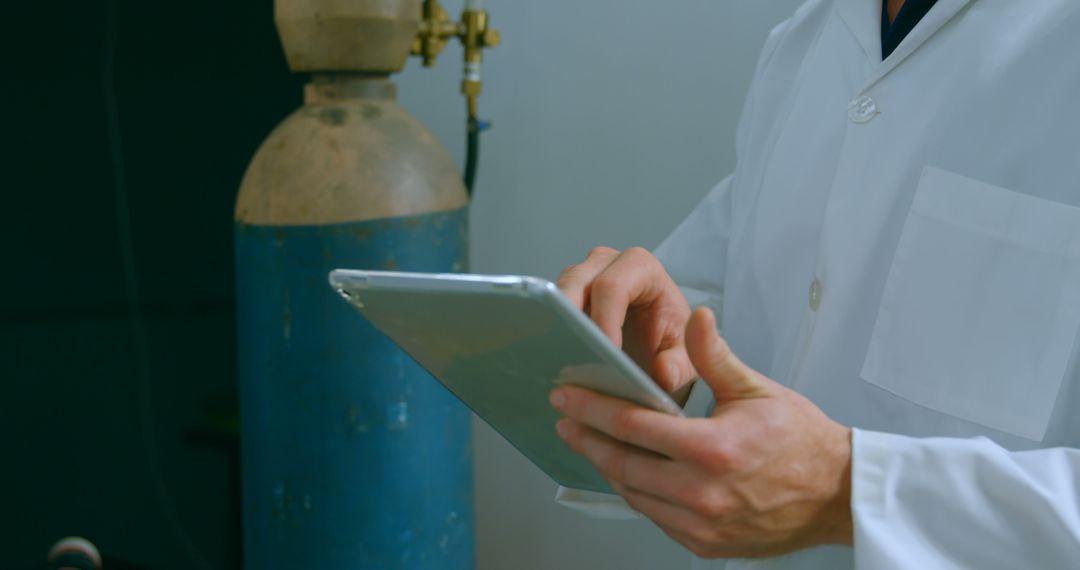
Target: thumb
x=713 y=359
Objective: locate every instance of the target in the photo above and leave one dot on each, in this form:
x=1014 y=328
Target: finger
x=705 y=536
x=575 y=280
x=713 y=359
x=654 y=431
x=700 y=548
x=686 y=524
x=672 y=368
x=634 y=278
x=717 y=546
x=685 y=540
x=678 y=483
x=626 y=465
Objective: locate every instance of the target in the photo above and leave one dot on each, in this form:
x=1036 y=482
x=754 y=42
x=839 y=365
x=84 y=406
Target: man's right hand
x=637 y=305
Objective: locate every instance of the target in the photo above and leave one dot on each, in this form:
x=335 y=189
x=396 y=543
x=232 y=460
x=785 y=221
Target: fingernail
x=561 y=428
x=557 y=399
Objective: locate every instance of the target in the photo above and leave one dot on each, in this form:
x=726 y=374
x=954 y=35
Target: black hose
x=472 y=153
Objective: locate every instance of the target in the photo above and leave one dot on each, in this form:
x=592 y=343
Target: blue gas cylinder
x=352 y=455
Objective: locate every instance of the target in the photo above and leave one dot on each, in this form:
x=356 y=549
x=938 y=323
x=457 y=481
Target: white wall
x=612 y=118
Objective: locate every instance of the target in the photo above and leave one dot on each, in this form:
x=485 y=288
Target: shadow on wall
x=196 y=86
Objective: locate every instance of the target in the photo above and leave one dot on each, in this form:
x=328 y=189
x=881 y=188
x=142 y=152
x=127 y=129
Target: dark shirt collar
x=909 y=17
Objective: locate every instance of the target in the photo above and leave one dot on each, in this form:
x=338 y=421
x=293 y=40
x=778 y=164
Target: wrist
x=837 y=525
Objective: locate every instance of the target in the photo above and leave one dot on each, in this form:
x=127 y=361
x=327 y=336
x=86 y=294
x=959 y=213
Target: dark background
x=102 y=372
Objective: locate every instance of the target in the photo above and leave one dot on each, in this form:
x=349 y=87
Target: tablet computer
x=501 y=344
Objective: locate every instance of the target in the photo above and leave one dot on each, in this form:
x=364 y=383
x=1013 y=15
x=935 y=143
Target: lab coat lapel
x=863 y=18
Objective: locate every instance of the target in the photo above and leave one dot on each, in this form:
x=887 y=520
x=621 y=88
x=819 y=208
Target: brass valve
x=475 y=33
x=436 y=28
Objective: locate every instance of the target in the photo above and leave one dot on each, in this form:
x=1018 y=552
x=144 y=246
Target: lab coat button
x=815 y=295
x=862 y=110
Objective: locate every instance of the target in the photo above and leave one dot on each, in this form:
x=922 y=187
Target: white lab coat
x=900 y=242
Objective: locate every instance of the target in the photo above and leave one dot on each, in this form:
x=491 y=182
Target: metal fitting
x=475 y=34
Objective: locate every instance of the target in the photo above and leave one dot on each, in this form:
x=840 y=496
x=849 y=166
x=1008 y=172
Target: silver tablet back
x=500 y=344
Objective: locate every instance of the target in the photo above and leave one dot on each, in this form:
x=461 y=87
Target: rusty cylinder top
x=347 y=35
x=350 y=154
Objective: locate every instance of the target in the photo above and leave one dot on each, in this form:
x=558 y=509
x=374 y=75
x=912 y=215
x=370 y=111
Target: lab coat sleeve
x=963 y=503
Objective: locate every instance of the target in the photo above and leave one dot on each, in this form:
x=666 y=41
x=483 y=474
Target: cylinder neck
x=328 y=87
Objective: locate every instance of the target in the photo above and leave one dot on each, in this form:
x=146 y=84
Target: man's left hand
x=766 y=474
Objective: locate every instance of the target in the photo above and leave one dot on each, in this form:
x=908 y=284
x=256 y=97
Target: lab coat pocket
x=981 y=309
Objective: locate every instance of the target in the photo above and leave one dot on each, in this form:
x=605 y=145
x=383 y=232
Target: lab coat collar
x=863 y=18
